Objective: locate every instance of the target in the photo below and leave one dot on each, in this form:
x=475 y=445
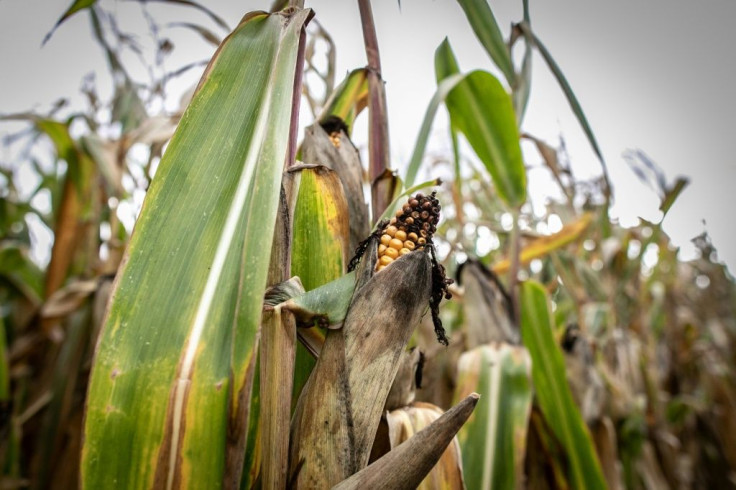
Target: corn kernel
x=422 y=241
x=385 y=260
x=381 y=248
x=409 y=244
x=413 y=236
x=380 y=267
x=404 y=251
x=396 y=243
x=385 y=239
x=391 y=230
x=401 y=235
x=391 y=252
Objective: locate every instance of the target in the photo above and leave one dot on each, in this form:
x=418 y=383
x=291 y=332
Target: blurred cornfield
x=224 y=343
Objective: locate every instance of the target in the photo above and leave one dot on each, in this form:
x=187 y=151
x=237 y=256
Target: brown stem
x=378 y=148
x=515 y=251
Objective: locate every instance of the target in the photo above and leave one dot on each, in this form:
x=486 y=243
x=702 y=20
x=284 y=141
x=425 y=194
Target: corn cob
x=410 y=229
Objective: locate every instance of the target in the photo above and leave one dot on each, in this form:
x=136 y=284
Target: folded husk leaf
x=405 y=422
x=340 y=407
x=487 y=307
x=408 y=464
x=344 y=159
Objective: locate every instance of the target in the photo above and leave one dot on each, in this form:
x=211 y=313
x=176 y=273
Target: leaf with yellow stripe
x=172 y=375
x=348 y=99
x=547 y=244
x=493 y=440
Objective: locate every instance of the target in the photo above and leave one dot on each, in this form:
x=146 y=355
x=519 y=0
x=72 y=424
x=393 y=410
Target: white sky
x=655 y=75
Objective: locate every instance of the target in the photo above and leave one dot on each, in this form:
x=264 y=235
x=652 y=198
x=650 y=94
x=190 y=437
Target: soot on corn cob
x=410 y=229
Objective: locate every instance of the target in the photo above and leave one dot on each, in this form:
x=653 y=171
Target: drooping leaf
x=75 y=7
x=672 y=194
x=173 y=368
x=482 y=110
x=447 y=82
x=206 y=34
x=198 y=6
x=481 y=19
x=566 y=89
x=330 y=301
x=552 y=390
x=542 y=246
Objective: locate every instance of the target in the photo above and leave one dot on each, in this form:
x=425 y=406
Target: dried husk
x=408 y=464
x=404 y=423
x=340 y=407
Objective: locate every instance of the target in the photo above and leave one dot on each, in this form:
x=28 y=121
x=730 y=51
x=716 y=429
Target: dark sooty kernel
x=424 y=215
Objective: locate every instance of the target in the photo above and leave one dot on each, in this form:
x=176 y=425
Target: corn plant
x=267 y=325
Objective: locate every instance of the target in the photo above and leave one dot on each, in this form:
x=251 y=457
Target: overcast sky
x=656 y=76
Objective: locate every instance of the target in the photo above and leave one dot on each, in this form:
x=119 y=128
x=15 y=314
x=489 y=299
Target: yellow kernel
x=385 y=239
x=409 y=244
x=421 y=241
x=401 y=235
x=391 y=230
x=413 y=236
x=385 y=260
x=393 y=221
x=380 y=267
x=399 y=212
x=404 y=251
x=396 y=243
x=391 y=252
x=381 y=248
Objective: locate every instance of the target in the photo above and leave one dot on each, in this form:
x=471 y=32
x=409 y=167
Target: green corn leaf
x=320 y=242
x=330 y=301
x=348 y=99
x=493 y=441
x=486 y=29
x=553 y=392
x=173 y=371
x=671 y=195
x=75 y=7
x=447 y=79
x=482 y=110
